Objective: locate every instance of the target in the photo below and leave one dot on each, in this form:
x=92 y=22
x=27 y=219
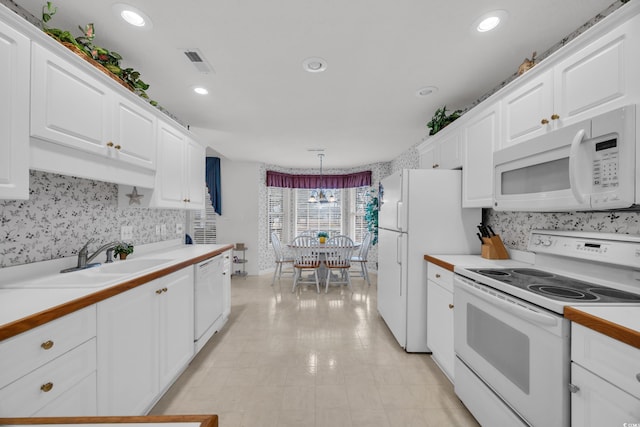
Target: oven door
x=520 y=351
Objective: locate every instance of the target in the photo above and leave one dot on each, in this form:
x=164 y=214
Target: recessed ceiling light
x=490 y=21
x=132 y=15
x=426 y=91
x=200 y=90
x=314 y=65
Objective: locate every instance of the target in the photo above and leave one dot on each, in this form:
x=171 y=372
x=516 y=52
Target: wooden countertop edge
x=438 y=261
x=204 y=420
x=22 y=325
x=610 y=329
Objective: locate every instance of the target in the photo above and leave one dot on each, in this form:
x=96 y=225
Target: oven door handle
x=511 y=307
x=573 y=166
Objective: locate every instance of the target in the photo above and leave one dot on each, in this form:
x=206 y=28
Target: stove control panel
x=619 y=250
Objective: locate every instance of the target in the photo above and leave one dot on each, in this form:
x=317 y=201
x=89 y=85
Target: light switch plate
x=157 y=229
x=126 y=232
x=163 y=229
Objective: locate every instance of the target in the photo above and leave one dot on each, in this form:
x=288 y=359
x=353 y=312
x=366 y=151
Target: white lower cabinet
x=226 y=285
x=440 y=317
x=145 y=338
x=53 y=368
x=605 y=380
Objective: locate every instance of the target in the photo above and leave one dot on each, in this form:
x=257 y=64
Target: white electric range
x=512 y=342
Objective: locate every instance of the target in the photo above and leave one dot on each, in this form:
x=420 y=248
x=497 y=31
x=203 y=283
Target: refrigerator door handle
x=399 y=258
x=400 y=216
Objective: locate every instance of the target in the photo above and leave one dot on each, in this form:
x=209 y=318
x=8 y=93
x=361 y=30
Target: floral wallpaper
x=514 y=227
x=64 y=212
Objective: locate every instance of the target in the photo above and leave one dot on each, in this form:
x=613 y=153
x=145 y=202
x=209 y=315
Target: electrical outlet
x=163 y=229
x=126 y=232
x=179 y=228
x=157 y=229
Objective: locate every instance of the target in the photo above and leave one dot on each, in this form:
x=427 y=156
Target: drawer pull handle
x=436 y=166
x=574 y=388
x=159 y=291
x=47 y=345
x=46 y=387
x=555 y=117
x=451 y=306
x=437 y=276
x=544 y=122
x=117 y=147
x=164 y=289
x=109 y=144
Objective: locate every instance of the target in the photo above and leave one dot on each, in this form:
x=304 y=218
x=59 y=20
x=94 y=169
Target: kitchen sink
x=130 y=266
x=96 y=277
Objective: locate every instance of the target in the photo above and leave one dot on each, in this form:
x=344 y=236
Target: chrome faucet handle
x=109 y=256
x=83 y=253
x=85 y=248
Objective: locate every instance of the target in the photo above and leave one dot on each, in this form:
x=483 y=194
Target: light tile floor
x=307 y=359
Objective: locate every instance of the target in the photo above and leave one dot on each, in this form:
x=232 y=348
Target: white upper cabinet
x=195 y=174
x=480 y=135
x=528 y=109
x=442 y=151
x=599 y=75
x=71 y=108
x=14 y=114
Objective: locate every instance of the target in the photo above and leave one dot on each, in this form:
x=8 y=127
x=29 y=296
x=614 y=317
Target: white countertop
x=17 y=304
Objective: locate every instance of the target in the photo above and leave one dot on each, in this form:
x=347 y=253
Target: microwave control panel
x=605 y=165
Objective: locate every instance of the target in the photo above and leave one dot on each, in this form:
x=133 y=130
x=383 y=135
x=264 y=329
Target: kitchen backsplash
x=64 y=212
x=514 y=227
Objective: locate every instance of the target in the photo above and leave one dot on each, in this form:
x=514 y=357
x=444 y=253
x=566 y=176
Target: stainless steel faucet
x=84 y=258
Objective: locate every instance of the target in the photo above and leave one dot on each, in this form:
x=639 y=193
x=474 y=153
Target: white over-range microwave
x=590 y=165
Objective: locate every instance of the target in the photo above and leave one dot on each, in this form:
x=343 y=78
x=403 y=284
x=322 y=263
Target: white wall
x=239 y=220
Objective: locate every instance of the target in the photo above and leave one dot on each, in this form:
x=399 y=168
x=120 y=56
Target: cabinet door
x=440 y=326
x=169 y=190
x=480 y=138
x=597 y=402
x=600 y=77
x=429 y=157
x=134 y=134
x=195 y=171
x=14 y=114
x=128 y=351
x=68 y=106
x=450 y=146
x=526 y=107
x=176 y=324
x=226 y=285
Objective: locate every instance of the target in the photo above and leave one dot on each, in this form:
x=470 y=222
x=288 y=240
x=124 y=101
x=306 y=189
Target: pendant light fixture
x=320 y=195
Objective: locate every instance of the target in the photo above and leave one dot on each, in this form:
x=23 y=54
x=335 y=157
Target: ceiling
x=263 y=107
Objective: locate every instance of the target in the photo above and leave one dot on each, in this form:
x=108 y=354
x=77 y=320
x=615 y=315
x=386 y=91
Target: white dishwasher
x=208 y=299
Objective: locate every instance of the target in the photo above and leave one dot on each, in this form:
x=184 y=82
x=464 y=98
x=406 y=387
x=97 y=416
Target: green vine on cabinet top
x=440 y=119
x=84 y=43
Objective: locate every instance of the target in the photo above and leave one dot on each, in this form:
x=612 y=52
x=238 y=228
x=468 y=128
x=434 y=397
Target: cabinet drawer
x=441 y=276
x=79 y=401
x=29 y=350
x=609 y=358
x=35 y=390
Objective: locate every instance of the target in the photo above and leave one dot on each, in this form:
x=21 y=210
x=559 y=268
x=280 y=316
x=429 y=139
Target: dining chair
x=337 y=256
x=361 y=258
x=281 y=257
x=306 y=257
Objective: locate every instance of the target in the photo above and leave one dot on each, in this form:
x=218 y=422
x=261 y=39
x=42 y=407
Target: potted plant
x=323 y=236
x=371 y=215
x=440 y=119
x=123 y=250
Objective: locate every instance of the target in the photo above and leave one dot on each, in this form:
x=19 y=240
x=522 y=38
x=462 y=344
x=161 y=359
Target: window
x=275 y=213
x=202 y=223
x=344 y=216
x=318 y=216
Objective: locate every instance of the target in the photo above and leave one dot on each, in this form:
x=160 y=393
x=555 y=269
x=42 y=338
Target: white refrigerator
x=420 y=213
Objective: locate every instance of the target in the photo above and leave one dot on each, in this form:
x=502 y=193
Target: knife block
x=493 y=248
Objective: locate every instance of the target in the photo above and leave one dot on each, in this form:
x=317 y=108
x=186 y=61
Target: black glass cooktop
x=556 y=286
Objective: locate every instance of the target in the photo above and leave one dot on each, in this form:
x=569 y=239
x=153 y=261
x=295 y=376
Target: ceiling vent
x=197 y=59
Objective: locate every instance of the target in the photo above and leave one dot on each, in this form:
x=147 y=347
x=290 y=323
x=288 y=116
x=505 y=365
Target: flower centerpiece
x=123 y=250
x=323 y=236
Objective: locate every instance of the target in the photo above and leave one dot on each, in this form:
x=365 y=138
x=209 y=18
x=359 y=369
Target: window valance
x=351 y=180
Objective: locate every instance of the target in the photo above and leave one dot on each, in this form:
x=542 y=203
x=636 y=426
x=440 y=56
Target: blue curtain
x=213 y=183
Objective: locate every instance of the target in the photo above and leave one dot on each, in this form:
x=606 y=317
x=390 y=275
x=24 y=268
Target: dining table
x=322 y=249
